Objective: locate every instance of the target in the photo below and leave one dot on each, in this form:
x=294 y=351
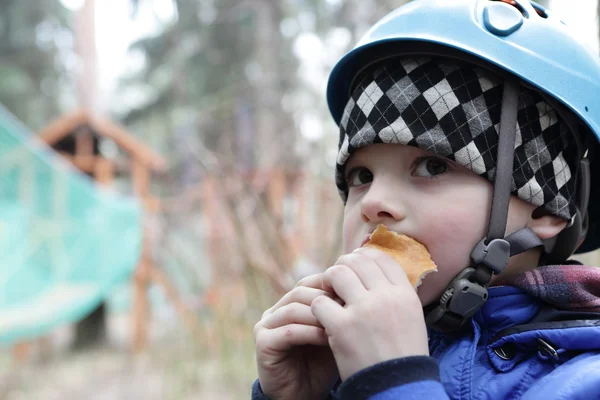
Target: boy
x=466 y=126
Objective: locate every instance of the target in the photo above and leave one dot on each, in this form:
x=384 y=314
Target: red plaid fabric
x=567 y=287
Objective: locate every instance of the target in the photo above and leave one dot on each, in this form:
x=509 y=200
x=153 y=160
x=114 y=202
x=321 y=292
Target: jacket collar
x=506 y=306
x=512 y=316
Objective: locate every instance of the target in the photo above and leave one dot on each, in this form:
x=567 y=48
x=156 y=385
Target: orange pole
x=85 y=163
x=277 y=192
x=104 y=171
x=84 y=143
x=141 y=187
x=141 y=306
x=300 y=224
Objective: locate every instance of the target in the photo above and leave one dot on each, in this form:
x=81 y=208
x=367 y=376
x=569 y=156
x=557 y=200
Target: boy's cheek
x=451 y=257
x=444 y=232
x=450 y=238
x=352 y=235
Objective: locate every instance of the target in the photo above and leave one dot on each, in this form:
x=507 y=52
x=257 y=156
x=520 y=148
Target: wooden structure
x=76 y=136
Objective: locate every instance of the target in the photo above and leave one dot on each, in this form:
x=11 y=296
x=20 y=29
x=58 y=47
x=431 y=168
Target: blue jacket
x=516 y=347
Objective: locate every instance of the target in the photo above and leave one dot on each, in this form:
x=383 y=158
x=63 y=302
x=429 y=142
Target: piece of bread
x=412 y=256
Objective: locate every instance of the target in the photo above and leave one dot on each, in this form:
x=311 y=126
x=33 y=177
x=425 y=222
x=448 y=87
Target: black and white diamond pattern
x=453 y=109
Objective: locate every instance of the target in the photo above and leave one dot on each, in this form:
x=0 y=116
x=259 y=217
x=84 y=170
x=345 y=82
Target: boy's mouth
x=365 y=240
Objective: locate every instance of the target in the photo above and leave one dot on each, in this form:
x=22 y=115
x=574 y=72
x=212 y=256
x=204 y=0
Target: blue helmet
x=516 y=38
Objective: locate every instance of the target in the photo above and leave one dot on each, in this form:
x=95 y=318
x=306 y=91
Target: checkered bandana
x=453 y=110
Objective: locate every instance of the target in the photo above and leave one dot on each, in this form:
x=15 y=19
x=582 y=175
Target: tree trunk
x=268 y=150
x=91 y=330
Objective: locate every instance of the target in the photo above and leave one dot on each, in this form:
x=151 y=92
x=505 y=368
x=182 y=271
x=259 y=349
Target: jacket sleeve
x=257 y=393
x=410 y=378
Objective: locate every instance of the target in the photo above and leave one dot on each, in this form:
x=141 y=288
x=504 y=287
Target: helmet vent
x=515 y=5
x=541 y=11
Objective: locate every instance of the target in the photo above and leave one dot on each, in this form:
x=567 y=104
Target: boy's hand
x=382 y=318
x=293 y=357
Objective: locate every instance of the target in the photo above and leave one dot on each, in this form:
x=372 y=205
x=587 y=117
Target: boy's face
x=430 y=198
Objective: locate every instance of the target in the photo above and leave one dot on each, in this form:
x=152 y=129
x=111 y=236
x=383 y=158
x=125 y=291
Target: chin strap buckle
x=460 y=301
x=468 y=291
x=493 y=255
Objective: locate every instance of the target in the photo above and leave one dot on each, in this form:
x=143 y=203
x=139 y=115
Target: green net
x=64 y=241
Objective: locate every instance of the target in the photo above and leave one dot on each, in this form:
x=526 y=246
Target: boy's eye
x=359 y=176
x=430 y=166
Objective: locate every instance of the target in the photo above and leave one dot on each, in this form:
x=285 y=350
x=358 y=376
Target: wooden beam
x=152 y=204
x=298 y=238
x=64 y=125
x=83 y=163
x=21 y=351
x=59 y=128
x=84 y=143
x=140 y=176
x=141 y=305
x=212 y=213
x=277 y=193
x=104 y=171
x=136 y=149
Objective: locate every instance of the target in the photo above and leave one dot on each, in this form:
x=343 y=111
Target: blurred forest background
x=231 y=94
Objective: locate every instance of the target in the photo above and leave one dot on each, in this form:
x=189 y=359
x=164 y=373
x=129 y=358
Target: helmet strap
x=468 y=291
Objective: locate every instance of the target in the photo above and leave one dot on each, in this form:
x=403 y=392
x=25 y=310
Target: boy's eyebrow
x=355 y=158
x=349 y=165
x=354 y=161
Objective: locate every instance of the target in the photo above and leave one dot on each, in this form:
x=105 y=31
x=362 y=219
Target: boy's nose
x=376 y=208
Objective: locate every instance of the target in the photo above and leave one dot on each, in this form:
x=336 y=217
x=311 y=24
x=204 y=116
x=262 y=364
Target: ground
x=173 y=367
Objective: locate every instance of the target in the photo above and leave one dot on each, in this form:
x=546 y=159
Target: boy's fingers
x=300 y=294
x=388 y=266
x=367 y=270
x=294 y=313
x=288 y=336
x=345 y=283
x=326 y=310
x=313 y=281
x=336 y=299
